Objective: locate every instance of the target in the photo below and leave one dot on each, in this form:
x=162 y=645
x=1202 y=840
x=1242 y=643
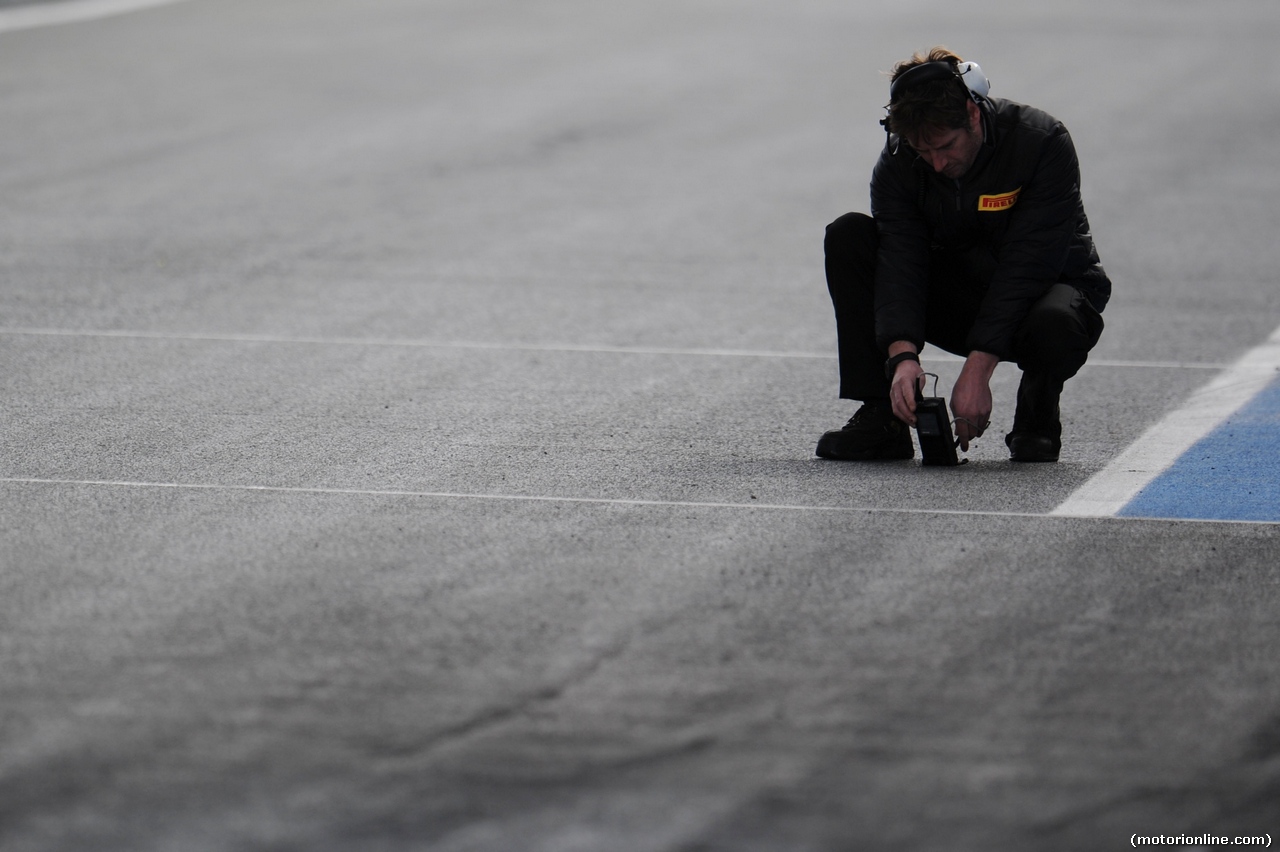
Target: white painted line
x=1109 y=490
x=596 y=501
x=463 y=495
x=411 y=342
x=1154 y=365
x=930 y=355
x=70 y=12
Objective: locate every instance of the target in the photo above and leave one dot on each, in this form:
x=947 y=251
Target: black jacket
x=1015 y=221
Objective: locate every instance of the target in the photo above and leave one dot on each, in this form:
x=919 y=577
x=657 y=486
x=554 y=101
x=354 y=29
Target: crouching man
x=977 y=243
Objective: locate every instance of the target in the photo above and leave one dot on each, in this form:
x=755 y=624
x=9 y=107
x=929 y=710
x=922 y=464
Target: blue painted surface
x=1232 y=474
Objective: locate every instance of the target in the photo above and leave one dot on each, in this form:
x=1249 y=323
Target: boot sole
x=879 y=453
x=1032 y=449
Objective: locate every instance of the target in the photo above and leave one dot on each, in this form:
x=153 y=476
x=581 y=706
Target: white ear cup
x=973 y=78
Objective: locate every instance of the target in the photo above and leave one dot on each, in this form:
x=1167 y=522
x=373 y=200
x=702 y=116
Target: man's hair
x=930 y=106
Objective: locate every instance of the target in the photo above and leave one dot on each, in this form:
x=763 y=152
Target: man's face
x=951 y=151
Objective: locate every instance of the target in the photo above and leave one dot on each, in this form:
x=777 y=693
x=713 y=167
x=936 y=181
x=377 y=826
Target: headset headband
x=967 y=73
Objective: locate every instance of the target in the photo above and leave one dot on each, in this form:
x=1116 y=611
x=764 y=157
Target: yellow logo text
x=1003 y=201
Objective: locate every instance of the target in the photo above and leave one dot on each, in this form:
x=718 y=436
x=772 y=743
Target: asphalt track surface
x=407 y=425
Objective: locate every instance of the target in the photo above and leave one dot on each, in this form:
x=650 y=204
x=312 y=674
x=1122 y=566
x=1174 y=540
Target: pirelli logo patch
x=996 y=203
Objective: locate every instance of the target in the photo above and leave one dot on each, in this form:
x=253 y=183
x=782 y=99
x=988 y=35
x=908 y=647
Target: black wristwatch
x=892 y=364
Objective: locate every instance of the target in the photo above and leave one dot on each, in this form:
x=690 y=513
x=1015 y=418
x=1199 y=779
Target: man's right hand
x=908 y=377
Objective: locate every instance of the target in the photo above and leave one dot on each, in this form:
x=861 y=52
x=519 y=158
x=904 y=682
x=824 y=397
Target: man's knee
x=850 y=246
x=853 y=234
x=1058 y=333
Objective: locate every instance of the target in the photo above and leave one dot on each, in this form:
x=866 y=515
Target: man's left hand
x=971 y=397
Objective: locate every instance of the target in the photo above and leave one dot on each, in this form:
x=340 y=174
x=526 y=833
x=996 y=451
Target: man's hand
x=907 y=377
x=971 y=397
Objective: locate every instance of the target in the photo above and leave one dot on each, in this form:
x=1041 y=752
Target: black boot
x=873 y=434
x=1037 y=426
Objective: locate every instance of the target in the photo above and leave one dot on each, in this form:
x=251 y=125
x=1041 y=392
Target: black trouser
x=1054 y=340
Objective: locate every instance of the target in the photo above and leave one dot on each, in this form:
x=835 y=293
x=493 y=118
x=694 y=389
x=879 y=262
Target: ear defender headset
x=968 y=74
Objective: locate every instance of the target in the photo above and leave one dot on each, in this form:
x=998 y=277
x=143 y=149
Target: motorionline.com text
x=1199 y=840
